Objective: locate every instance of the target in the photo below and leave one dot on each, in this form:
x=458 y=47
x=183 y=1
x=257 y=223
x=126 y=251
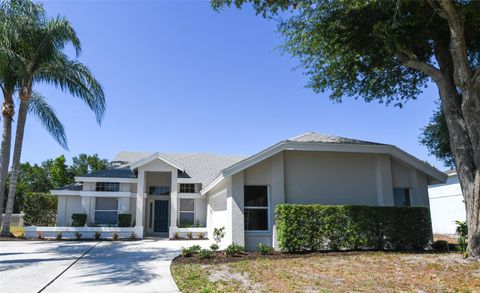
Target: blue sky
x=180 y=77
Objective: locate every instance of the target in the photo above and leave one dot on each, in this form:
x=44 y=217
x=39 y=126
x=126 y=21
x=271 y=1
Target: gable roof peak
x=328 y=138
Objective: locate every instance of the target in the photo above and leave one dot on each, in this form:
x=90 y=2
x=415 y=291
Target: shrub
x=78 y=235
x=462 y=246
x=264 y=249
x=97 y=235
x=214 y=247
x=218 y=234
x=317 y=227
x=59 y=236
x=195 y=248
x=40 y=209
x=79 y=220
x=234 y=250
x=21 y=235
x=40 y=235
x=124 y=220
x=201 y=235
x=176 y=235
x=115 y=236
x=441 y=246
x=462 y=229
x=189 y=235
x=205 y=253
x=133 y=236
x=187 y=252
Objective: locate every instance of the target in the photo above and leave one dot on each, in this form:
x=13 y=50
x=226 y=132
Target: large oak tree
x=388 y=51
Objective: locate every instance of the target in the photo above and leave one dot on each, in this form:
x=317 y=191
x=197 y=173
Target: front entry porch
x=157 y=217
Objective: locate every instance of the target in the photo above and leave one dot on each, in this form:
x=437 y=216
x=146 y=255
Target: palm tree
x=41 y=60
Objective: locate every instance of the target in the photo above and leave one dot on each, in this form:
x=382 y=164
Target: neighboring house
x=166 y=191
x=446 y=204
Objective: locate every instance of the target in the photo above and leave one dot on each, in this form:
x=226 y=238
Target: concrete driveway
x=136 y=266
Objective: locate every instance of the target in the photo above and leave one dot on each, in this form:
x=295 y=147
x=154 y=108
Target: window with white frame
x=107 y=186
x=106 y=210
x=401 y=197
x=187 y=212
x=187 y=188
x=256 y=208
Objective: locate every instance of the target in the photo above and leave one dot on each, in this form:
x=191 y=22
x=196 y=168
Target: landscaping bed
x=327 y=271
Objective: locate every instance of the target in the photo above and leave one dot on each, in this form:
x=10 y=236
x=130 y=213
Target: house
x=446 y=204
x=178 y=193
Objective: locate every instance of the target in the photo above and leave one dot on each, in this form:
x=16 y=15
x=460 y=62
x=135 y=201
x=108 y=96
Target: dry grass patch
x=333 y=272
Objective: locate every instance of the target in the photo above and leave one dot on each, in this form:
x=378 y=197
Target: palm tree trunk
x=7 y=115
x=17 y=152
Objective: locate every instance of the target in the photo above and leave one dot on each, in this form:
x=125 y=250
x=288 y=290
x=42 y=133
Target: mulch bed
x=219 y=257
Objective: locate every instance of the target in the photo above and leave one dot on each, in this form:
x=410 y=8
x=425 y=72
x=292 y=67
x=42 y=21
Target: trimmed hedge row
x=320 y=227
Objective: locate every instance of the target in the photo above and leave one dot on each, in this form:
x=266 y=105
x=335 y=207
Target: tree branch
x=416 y=64
x=463 y=71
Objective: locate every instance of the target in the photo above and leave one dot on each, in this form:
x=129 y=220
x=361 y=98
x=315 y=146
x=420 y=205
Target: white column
x=86 y=209
x=235 y=210
x=414 y=188
x=277 y=193
x=124 y=205
x=173 y=204
x=62 y=209
x=140 y=202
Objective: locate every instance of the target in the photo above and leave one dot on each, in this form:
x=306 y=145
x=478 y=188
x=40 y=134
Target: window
x=106 y=210
x=107 y=186
x=187 y=212
x=401 y=197
x=256 y=207
x=187 y=188
x=159 y=190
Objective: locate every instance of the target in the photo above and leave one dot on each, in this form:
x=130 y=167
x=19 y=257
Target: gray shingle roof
x=73 y=187
x=326 y=138
x=123 y=172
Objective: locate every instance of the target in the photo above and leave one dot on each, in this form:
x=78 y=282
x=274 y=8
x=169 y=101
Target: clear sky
x=180 y=77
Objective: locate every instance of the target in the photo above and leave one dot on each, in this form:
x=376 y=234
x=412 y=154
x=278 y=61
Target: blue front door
x=160 y=223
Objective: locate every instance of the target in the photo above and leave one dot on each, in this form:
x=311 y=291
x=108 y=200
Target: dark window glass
x=159 y=190
x=107 y=186
x=106 y=218
x=106 y=210
x=256 y=219
x=187 y=218
x=187 y=188
x=401 y=197
x=256 y=196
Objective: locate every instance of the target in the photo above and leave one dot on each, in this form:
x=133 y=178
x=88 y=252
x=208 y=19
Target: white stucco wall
x=446 y=206
x=67 y=205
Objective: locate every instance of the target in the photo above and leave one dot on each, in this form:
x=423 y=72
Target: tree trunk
x=17 y=151
x=8 y=110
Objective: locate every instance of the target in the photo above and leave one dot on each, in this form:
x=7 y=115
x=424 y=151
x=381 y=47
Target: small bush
x=234 y=250
x=205 y=253
x=440 y=246
x=264 y=249
x=97 y=235
x=176 y=235
x=59 y=236
x=115 y=236
x=187 y=252
x=40 y=209
x=218 y=234
x=190 y=235
x=214 y=247
x=133 y=236
x=462 y=228
x=21 y=235
x=124 y=220
x=40 y=236
x=195 y=248
x=79 y=220
x=201 y=235
x=78 y=235
x=462 y=246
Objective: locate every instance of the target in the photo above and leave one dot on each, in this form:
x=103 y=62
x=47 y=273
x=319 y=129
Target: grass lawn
x=330 y=272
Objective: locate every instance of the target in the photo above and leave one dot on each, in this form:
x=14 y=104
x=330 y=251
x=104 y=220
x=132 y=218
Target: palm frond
x=39 y=107
x=75 y=78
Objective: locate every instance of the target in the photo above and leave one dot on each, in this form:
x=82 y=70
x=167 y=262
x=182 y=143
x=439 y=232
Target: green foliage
x=436 y=138
x=462 y=246
x=441 y=246
x=201 y=235
x=264 y=249
x=214 y=247
x=40 y=209
x=78 y=235
x=195 y=248
x=462 y=228
x=115 y=236
x=189 y=235
x=58 y=172
x=319 y=227
x=234 y=250
x=187 y=252
x=205 y=253
x=176 y=235
x=97 y=235
x=79 y=220
x=124 y=220
x=83 y=164
x=218 y=234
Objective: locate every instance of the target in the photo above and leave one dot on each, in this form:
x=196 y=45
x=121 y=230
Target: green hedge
x=40 y=209
x=79 y=220
x=321 y=227
x=124 y=220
